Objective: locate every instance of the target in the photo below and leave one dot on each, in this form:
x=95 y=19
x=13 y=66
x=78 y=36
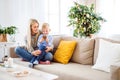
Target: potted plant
x=84 y=20
x=6 y=30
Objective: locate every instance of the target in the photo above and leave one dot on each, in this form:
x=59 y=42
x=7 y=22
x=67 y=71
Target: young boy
x=44 y=41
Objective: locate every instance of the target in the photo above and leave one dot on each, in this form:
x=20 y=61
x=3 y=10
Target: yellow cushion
x=64 y=51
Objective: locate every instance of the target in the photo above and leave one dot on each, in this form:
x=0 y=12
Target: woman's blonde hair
x=29 y=42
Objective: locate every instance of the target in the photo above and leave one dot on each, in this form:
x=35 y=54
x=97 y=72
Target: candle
x=10 y=62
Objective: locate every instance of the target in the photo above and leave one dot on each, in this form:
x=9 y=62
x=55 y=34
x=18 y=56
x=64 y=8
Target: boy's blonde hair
x=45 y=26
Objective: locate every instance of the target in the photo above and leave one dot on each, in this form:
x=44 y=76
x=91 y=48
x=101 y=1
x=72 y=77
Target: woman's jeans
x=28 y=56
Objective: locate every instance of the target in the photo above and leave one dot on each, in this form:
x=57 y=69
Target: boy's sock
x=31 y=65
x=35 y=62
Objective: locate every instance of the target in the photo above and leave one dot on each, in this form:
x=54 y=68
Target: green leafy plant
x=84 y=20
x=8 y=30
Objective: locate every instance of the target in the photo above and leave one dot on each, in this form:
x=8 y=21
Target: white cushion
x=109 y=53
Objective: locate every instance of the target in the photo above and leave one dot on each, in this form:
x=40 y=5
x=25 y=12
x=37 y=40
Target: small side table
x=5 y=46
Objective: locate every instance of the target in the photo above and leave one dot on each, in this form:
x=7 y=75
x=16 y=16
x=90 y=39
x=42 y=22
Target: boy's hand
x=41 y=39
x=48 y=49
x=44 y=37
x=36 y=52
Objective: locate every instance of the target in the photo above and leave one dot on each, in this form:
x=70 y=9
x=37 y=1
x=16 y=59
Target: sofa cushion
x=64 y=51
x=70 y=71
x=108 y=54
x=83 y=53
x=74 y=71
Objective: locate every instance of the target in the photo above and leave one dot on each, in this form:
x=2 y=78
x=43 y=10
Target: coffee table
x=9 y=74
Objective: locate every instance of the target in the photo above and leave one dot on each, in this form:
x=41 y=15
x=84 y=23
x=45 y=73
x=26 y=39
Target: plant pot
x=91 y=35
x=3 y=37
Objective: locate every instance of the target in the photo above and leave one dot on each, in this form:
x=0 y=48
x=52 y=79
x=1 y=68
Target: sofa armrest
x=115 y=71
x=12 y=52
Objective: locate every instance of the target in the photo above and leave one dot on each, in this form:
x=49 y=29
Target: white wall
x=18 y=13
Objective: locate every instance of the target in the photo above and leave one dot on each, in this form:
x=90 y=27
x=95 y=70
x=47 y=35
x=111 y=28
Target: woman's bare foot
x=44 y=62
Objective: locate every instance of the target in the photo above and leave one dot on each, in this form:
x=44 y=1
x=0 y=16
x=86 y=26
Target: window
x=56 y=12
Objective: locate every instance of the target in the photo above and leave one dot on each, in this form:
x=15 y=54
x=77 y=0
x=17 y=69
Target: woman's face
x=34 y=28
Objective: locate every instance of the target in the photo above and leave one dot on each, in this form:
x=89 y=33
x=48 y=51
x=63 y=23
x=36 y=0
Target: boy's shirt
x=49 y=37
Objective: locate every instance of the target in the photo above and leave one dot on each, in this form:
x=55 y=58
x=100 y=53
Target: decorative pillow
x=96 y=49
x=64 y=51
x=108 y=54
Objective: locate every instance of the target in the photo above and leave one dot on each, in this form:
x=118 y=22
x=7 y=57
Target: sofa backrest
x=83 y=52
x=56 y=41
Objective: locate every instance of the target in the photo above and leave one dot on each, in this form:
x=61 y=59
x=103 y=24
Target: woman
x=31 y=48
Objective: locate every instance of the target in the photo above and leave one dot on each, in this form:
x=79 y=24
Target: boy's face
x=45 y=31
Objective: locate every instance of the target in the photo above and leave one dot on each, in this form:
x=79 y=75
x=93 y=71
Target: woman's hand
x=36 y=52
x=48 y=49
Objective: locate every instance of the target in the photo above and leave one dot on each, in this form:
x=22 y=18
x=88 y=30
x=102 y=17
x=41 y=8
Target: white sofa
x=79 y=67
